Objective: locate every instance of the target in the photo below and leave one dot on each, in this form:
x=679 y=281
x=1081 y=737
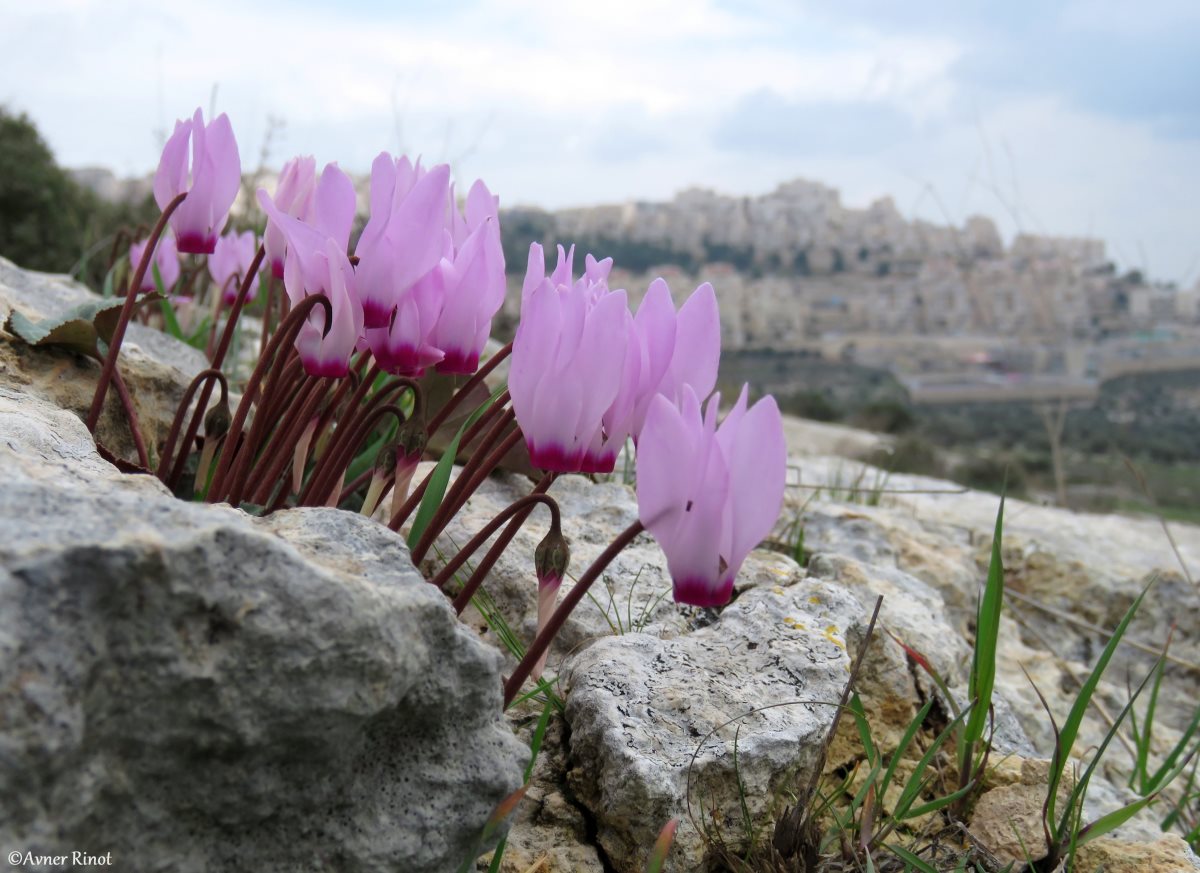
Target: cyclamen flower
x=563 y=377
x=166 y=258
x=316 y=263
x=404 y=237
x=229 y=262
x=211 y=179
x=473 y=283
x=710 y=494
x=667 y=351
x=293 y=196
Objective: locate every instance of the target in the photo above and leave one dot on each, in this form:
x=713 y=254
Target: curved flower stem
x=218 y=359
x=458 y=396
x=488 y=419
x=114 y=345
x=277 y=396
x=168 y=451
x=347 y=433
x=274 y=358
x=401 y=515
x=518 y=511
x=542 y=642
x=266 y=319
x=131 y=414
x=331 y=410
x=321 y=486
x=278 y=447
x=493 y=554
x=468 y=480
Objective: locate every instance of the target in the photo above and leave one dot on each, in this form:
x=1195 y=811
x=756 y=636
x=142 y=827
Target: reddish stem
x=283 y=338
x=461 y=394
x=280 y=446
x=131 y=414
x=463 y=488
x=402 y=514
x=169 y=449
x=339 y=452
x=542 y=642
x=518 y=511
x=114 y=345
x=336 y=468
x=493 y=554
x=217 y=360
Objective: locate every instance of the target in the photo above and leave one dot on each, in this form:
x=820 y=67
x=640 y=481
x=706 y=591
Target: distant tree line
x=48 y=221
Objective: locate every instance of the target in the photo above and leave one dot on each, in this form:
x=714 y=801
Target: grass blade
x=912 y=860
x=983 y=663
x=1070 y=728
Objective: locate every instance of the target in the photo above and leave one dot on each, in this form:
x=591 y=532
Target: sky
x=1060 y=117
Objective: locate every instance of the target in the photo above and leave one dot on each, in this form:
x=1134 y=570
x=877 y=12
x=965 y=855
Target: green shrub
x=43 y=214
x=48 y=221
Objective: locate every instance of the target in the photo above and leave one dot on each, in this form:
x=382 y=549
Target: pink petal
x=697 y=343
x=335 y=205
x=758 y=473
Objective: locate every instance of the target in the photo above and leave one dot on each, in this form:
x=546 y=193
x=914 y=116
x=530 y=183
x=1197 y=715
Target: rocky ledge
x=191 y=688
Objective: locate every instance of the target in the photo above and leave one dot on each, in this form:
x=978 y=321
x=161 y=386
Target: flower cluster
x=427 y=277
x=589 y=376
x=585 y=369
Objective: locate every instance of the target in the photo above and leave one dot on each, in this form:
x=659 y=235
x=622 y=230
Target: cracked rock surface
x=192 y=689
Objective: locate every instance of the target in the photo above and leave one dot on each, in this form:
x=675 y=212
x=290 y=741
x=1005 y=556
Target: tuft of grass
x=982 y=680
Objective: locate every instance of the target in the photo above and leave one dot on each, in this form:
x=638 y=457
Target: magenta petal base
x=376 y=314
x=327 y=369
x=604 y=463
x=703 y=592
x=554 y=459
x=457 y=363
x=192 y=243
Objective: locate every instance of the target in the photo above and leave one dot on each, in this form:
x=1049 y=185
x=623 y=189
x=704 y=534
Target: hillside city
x=953 y=312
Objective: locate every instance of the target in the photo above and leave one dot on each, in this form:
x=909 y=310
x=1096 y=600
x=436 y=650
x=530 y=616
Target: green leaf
x=168 y=312
x=440 y=478
x=909 y=858
x=864 y=728
x=913 y=787
x=80 y=329
x=1070 y=728
x=1108 y=823
x=539 y=735
x=987 y=636
x=909 y=734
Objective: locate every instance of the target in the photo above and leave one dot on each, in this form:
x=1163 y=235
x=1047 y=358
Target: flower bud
x=411 y=439
x=552 y=558
x=217 y=421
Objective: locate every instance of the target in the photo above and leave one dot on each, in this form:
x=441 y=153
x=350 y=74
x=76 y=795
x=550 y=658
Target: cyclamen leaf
x=80 y=329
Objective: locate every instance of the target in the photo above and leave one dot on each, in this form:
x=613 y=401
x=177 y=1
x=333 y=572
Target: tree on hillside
x=43 y=213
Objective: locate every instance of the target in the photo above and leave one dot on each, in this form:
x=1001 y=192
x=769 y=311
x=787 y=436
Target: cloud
x=567 y=103
x=765 y=121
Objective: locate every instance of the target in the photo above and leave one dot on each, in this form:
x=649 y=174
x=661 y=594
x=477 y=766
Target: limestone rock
x=641 y=707
x=155 y=367
x=1168 y=854
x=196 y=690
